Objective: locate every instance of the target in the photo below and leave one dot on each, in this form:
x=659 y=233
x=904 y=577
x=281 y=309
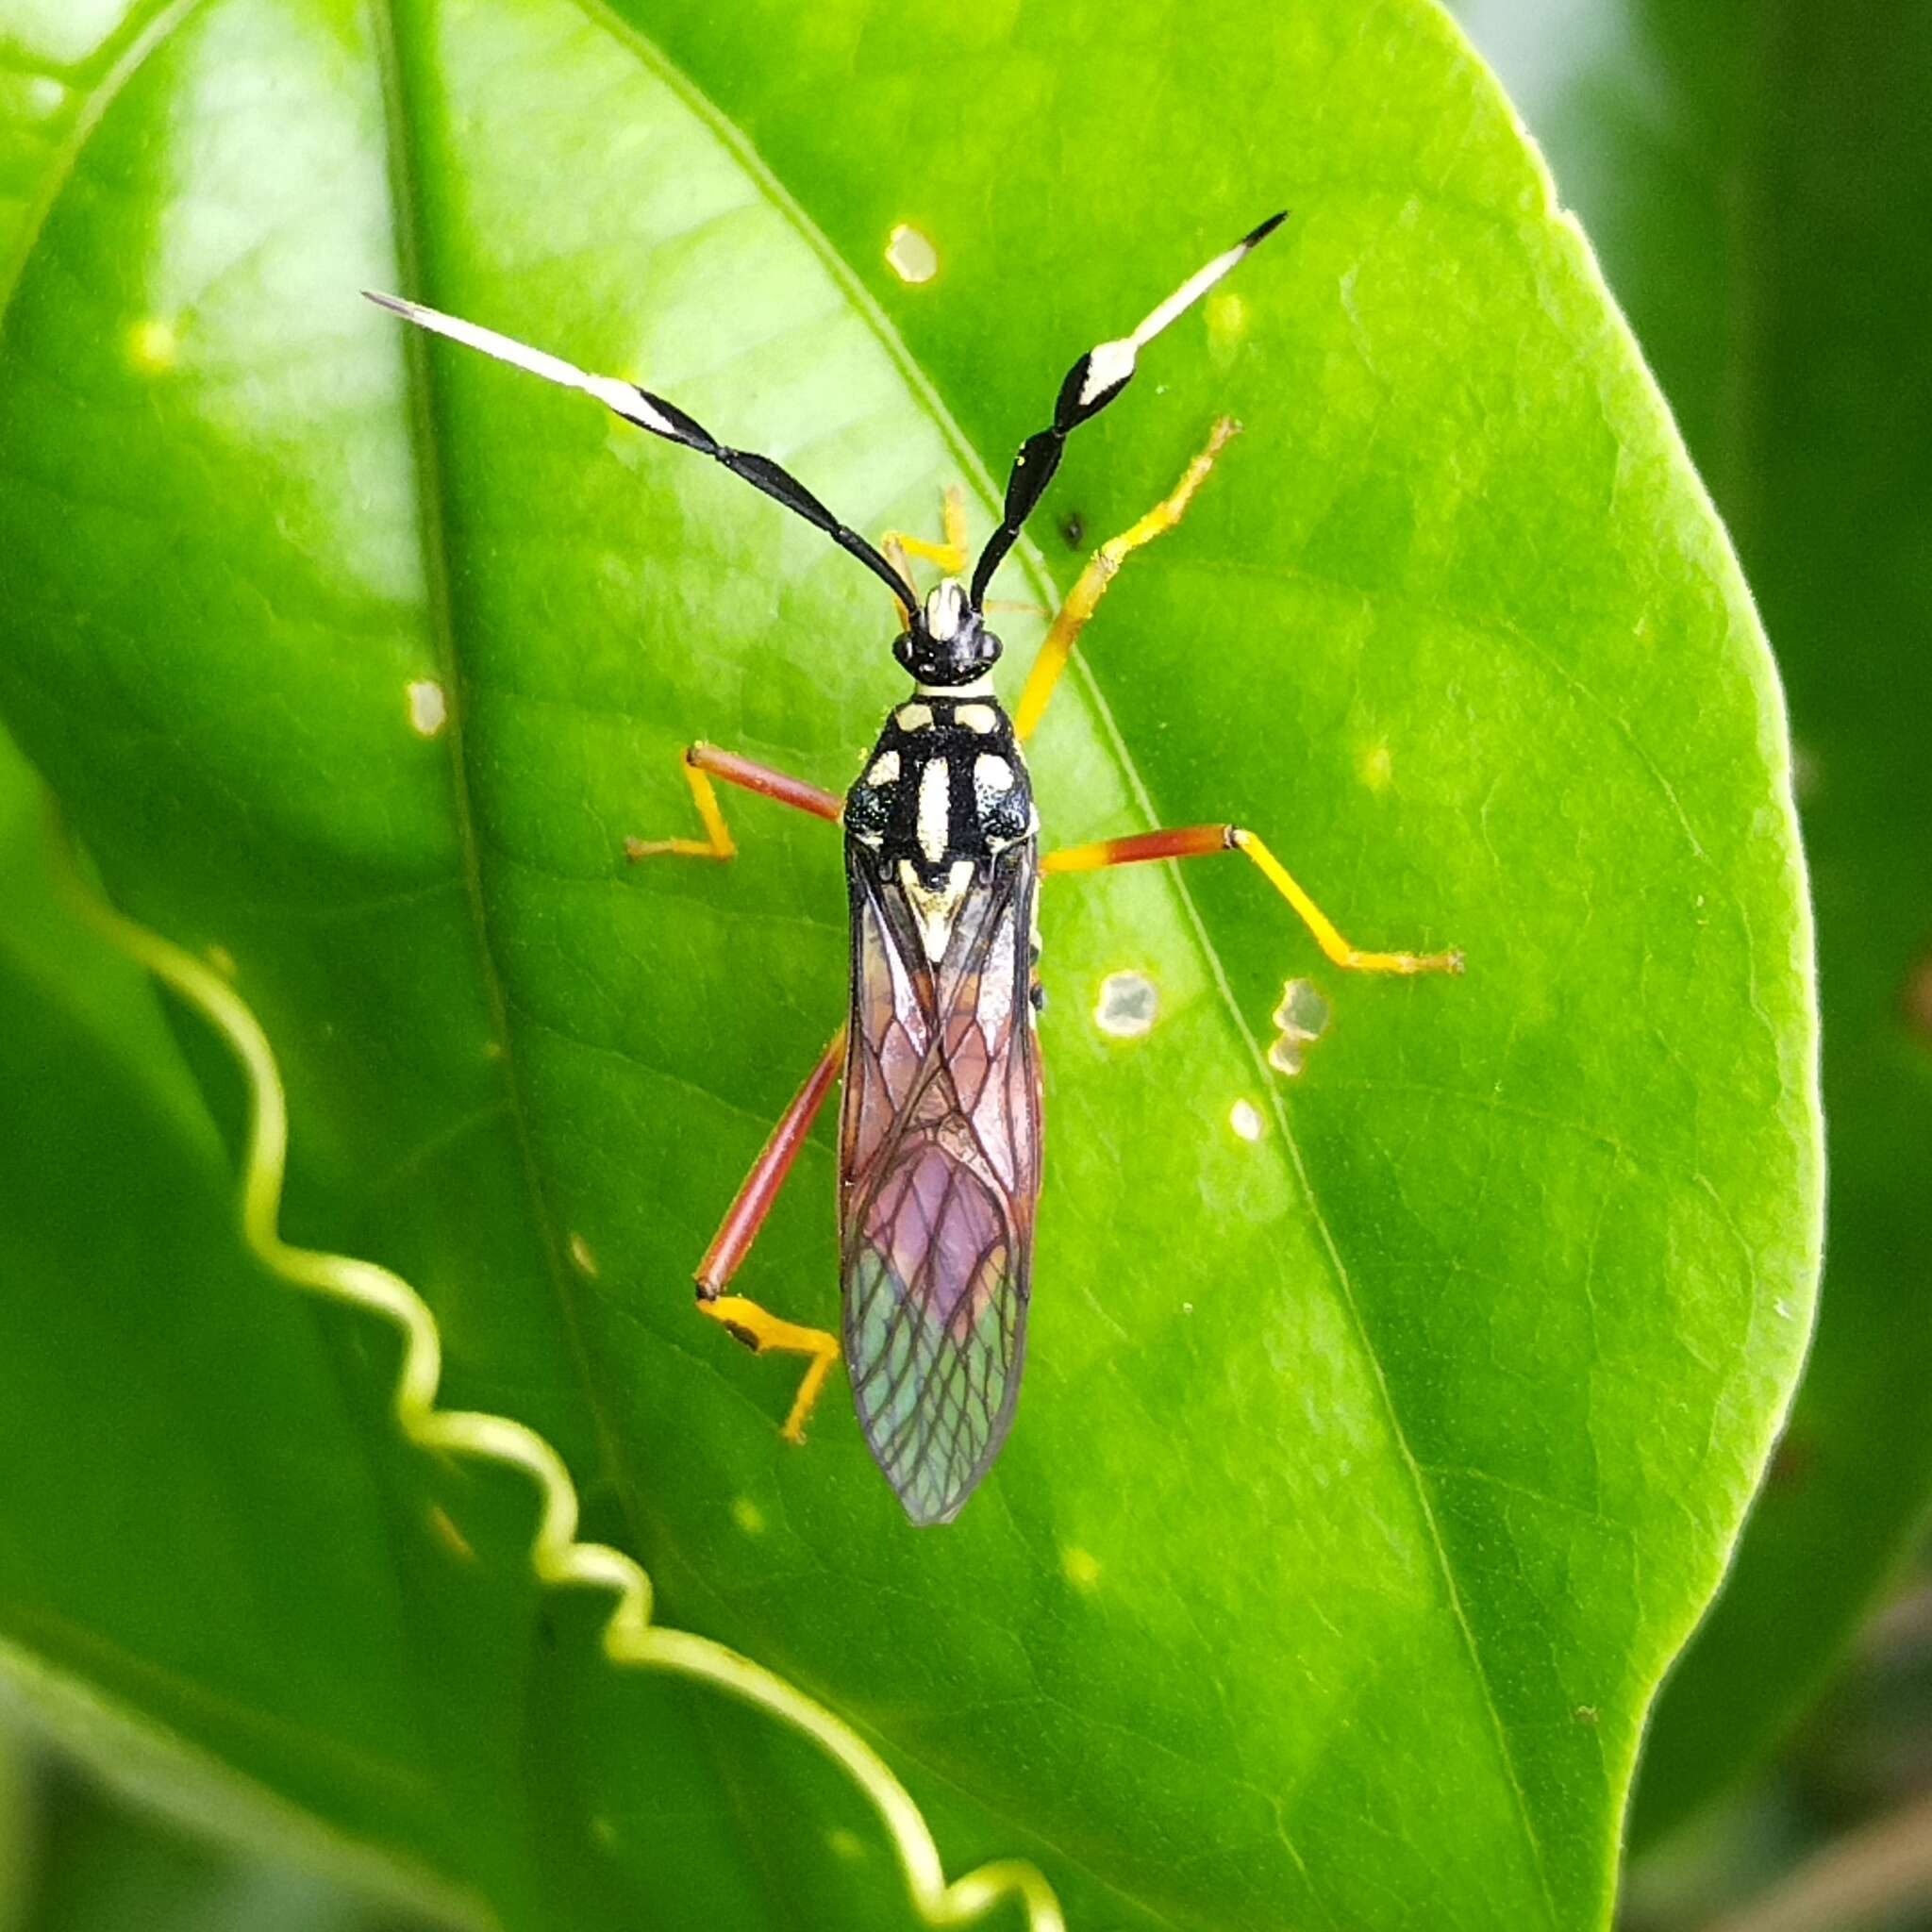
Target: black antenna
x=1093 y=383
x=660 y=418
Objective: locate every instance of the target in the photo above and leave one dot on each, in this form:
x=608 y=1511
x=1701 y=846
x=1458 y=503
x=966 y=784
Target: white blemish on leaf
x=580 y=1254
x=1128 y=1004
x=748 y=1516
x=910 y=254
x=1301 y=1018
x=428 y=708
x=1288 y=1056
x=1245 y=1117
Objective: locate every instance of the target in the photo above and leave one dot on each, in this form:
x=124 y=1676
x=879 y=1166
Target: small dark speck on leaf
x=1074 y=529
x=1791 y=1463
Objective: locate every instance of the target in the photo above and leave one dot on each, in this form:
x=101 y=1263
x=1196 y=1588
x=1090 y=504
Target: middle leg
x=1202 y=842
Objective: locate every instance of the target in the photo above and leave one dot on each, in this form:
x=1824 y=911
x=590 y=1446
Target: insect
x=940 y=1135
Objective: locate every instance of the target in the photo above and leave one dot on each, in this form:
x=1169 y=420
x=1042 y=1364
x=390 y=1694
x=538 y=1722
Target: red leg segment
x=757 y=1327
x=1198 y=842
x=703 y=762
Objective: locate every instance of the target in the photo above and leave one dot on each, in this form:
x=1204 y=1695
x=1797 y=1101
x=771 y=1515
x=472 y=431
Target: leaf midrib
x=433 y=529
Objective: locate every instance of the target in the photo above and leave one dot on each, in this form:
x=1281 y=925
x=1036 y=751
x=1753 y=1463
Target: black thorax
x=946 y=782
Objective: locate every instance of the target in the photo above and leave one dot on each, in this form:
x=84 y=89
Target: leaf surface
x=1751 y=179
x=1384 y=1432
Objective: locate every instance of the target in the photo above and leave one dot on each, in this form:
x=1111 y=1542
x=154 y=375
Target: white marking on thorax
x=885 y=769
x=935 y=808
x=991 y=774
x=936 y=908
x=914 y=717
x=979 y=687
x=980 y=718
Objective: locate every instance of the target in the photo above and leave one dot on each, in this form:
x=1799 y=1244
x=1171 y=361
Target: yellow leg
x=760 y=1330
x=1326 y=937
x=952 y=556
x=744 y=1320
x=717 y=841
x=1200 y=842
x=1086 y=594
x=703 y=762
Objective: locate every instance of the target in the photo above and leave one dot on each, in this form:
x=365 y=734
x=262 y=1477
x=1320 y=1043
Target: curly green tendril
x=630 y=1638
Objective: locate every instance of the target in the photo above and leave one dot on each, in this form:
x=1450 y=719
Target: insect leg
x=1200 y=842
x=744 y=1320
x=703 y=762
x=952 y=556
x=1084 y=598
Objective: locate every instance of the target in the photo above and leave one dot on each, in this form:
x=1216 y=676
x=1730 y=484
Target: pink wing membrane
x=939 y=1179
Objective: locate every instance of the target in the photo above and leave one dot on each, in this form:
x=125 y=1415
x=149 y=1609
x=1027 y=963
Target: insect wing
x=940 y=1175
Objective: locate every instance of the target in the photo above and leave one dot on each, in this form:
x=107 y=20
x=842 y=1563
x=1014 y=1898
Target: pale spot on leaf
x=152 y=346
x=748 y=1516
x=1227 y=316
x=1301 y=1018
x=443 y=1526
x=1128 y=1006
x=428 y=708
x=580 y=1254
x=1245 y=1117
x=1378 y=767
x=910 y=254
x=1082 y=1570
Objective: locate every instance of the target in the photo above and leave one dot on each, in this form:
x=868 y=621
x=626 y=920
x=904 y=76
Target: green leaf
x=101 y=1867
x=1372 y=1465
x=227 y=1586
x=1754 y=179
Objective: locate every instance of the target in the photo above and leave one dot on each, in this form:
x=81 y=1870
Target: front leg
x=1084 y=598
x=702 y=763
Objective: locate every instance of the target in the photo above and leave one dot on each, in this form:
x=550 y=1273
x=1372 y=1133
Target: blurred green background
x=1758 y=181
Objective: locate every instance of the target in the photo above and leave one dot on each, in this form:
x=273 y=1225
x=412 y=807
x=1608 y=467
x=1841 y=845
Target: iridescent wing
x=939 y=1171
